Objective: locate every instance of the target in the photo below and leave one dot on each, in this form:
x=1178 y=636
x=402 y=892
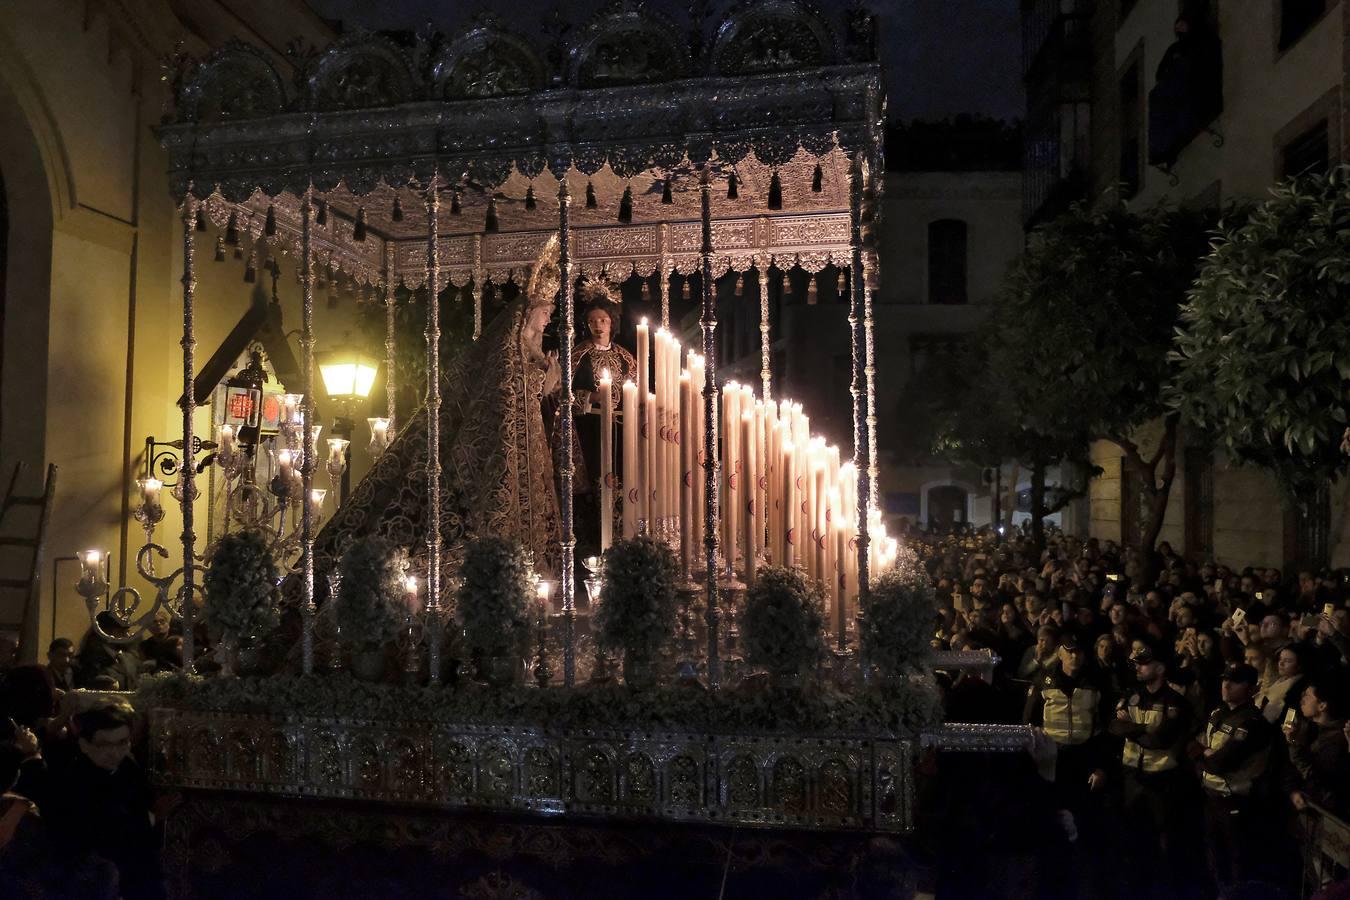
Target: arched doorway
x=947 y=505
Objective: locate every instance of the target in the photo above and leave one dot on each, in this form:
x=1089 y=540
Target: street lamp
x=348 y=375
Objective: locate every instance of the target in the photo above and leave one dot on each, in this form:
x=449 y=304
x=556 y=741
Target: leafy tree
x=1263 y=350
x=1078 y=341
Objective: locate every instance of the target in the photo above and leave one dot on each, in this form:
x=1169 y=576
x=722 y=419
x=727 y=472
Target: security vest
x=1226 y=726
x=1151 y=710
x=1070 y=710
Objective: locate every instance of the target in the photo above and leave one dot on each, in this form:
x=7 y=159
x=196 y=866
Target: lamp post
x=348 y=375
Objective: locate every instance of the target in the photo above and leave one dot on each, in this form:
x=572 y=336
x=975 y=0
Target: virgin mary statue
x=496 y=467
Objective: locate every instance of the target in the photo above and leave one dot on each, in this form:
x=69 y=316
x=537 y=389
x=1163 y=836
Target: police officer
x=1071 y=704
x=1234 y=752
x=1154 y=722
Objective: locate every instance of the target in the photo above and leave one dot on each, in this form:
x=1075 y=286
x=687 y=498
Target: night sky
x=942 y=57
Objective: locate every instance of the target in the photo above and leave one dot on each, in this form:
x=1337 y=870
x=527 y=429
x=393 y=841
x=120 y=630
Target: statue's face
x=599 y=323
x=538 y=319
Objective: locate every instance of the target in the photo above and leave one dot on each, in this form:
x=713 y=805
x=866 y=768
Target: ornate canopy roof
x=625 y=107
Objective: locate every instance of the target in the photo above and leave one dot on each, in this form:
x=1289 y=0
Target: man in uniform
x=1234 y=752
x=1071 y=704
x=1155 y=722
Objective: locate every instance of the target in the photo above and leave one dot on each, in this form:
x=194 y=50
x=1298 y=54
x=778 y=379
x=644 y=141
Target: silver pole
x=390 y=341
x=565 y=475
x=307 y=422
x=188 y=469
x=711 y=513
x=765 y=354
x=857 y=317
x=433 y=408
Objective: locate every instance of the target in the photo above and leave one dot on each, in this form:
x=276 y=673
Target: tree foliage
x=1263 y=349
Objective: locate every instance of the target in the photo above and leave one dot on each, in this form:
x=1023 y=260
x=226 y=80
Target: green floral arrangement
x=370 y=608
x=240 y=582
x=638 y=605
x=494 y=597
x=782 y=622
x=901 y=709
x=898 y=618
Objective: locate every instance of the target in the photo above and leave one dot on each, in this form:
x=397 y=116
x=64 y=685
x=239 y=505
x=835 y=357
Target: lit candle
x=150 y=488
x=284 y=463
x=649 y=472
x=841 y=538
x=290 y=408
x=316 y=498
x=686 y=469
x=747 y=514
x=606 y=460
x=379 y=434
x=818 y=501
x=631 y=417
x=91 y=562
x=410 y=589
x=643 y=479
x=788 y=467
x=226 y=440
x=542 y=589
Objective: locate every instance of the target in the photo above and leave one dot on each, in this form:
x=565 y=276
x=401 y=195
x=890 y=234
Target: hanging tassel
x=490 y=224
x=397 y=213
x=684 y=291
x=775 y=192
x=359 y=229
x=626 y=206
x=787 y=284
x=220 y=249
x=665 y=193
x=811 y=291
x=817 y=180
x=270 y=226
x=454 y=203
x=238 y=252
x=733 y=187
x=251 y=270
x=232 y=230
x=839 y=286
x=201 y=217
x=590 y=196
x=646 y=291
x=529 y=198
x=740 y=285
x=320 y=212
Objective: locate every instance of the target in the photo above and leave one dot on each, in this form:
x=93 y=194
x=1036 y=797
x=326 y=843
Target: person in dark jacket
x=1319 y=757
x=101 y=802
x=1233 y=752
x=1154 y=722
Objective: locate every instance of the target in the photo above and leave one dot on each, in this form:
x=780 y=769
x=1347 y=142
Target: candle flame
x=604 y=374
x=643 y=323
x=410 y=582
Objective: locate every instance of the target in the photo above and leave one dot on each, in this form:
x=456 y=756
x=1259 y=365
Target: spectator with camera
x=1318 y=753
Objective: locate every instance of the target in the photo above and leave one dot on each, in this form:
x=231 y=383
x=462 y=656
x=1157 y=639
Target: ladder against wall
x=23 y=533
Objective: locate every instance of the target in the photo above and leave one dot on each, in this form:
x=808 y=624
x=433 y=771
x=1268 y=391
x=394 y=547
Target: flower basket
x=638 y=607
x=370 y=610
x=493 y=605
x=782 y=623
x=898 y=619
x=240 y=585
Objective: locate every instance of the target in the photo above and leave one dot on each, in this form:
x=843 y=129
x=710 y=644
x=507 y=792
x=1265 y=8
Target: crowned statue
x=596 y=354
x=497 y=468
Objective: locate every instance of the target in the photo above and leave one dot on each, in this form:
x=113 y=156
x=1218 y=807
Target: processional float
x=425 y=164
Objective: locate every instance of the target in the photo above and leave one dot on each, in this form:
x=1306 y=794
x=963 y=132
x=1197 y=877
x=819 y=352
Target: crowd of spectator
x=1188 y=719
x=77 y=816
